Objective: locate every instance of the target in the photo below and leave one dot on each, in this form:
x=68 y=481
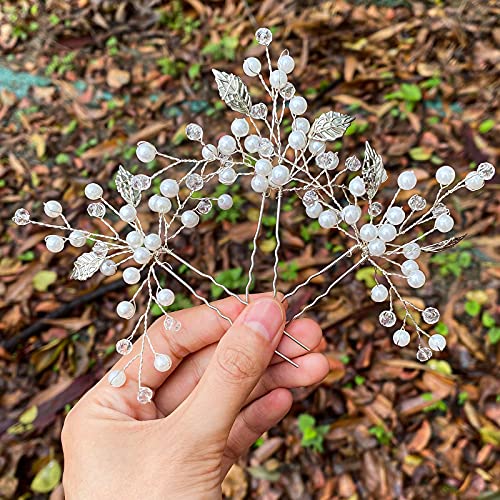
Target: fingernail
x=265 y=316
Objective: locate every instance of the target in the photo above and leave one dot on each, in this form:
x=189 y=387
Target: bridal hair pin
x=277 y=163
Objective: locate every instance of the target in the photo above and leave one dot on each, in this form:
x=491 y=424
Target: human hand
x=224 y=390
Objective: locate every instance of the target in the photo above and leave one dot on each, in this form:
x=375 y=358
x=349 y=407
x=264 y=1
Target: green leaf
x=472 y=308
x=487 y=320
x=359 y=380
x=486 y=126
x=28 y=416
x=441 y=328
x=427 y=396
x=440 y=366
x=411 y=92
x=47 y=478
x=494 y=335
x=43 y=279
x=27 y=256
x=366 y=274
x=230 y=278
x=462 y=398
x=420 y=154
x=305 y=421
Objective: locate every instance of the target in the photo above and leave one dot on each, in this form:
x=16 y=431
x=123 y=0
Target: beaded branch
x=277 y=164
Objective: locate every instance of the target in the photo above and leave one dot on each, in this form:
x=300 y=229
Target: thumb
x=241 y=358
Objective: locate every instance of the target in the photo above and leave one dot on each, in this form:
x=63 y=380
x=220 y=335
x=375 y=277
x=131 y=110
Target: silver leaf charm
x=233 y=91
x=443 y=245
x=124 y=186
x=86 y=266
x=330 y=126
x=373 y=171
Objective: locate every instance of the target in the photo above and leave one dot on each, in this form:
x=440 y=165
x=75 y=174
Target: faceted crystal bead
x=387 y=318
x=259 y=111
x=226 y=161
x=21 y=217
x=264 y=36
x=310 y=198
x=288 y=91
x=96 y=210
x=486 y=170
x=100 y=249
x=266 y=148
x=194 y=182
x=375 y=209
x=141 y=182
x=328 y=160
x=144 y=395
x=440 y=209
x=353 y=163
x=417 y=202
x=123 y=347
x=117 y=378
x=424 y=354
x=171 y=324
x=194 y=132
x=430 y=315
x=204 y=206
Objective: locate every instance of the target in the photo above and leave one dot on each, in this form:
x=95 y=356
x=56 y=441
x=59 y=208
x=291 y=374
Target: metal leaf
x=86 y=266
x=233 y=91
x=443 y=245
x=330 y=126
x=373 y=171
x=123 y=182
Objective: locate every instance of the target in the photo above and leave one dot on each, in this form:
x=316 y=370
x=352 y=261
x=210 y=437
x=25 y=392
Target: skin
x=224 y=390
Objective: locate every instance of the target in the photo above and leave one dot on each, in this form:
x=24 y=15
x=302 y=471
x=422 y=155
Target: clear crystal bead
x=266 y=148
x=375 y=209
x=124 y=347
x=440 y=209
x=310 y=198
x=100 y=249
x=430 y=315
x=226 y=161
x=259 y=111
x=263 y=36
x=417 y=202
x=144 y=395
x=387 y=318
x=171 y=324
x=141 y=182
x=486 y=170
x=96 y=210
x=328 y=160
x=288 y=91
x=194 y=182
x=21 y=217
x=194 y=132
x=204 y=206
x=353 y=163
x=424 y=354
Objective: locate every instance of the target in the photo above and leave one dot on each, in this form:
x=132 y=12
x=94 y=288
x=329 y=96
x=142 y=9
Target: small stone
x=203 y=207
x=310 y=198
x=430 y=315
x=21 y=217
x=117 y=78
x=417 y=202
x=144 y=395
x=259 y=111
x=387 y=318
x=100 y=249
x=353 y=163
x=288 y=91
x=141 y=182
x=440 y=209
x=194 y=132
x=263 y=36
x=124 y=347
x=375 y=209
x=424 y=354
x=194 y=182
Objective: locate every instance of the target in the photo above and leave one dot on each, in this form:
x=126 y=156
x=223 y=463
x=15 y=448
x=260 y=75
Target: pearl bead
x=134 y=239
x=351 y=214
x=445 y=175
x=227 y=145
x=286 y=63
x=125 y=309
x=108 y=268
x=190 y=218
x=209 y=152
x=411 y=251
x=437 y=342
x=379 y=293
x=52 y=208
x=251 y=66
x=169 y=188
x=117 y=378
x=54 y=243
x=316 y=147
x=225 y=201
x=395 y=215
x=301 y=124
x=77 y=238
x=401 y=338
x=368 y=232
x=474 y=181
x=314 y=210
x=278 y=79
x=240 y=127
x=444 y=223
x=416 y=279
x=131 y=275
x=376 y=247
x=298 y=105
x=408 y=267
x=357 y=186
x=279 y=175
x=142 y=255
x=328 y=219
x=162 y=205
x=252 y=143
x=152 y=242
x=93 y=191
x=227 y=176
x=387 y=232
x=259 y=183
x=145 y=152
x=165 y=297
x=162 y=362
x=297 y=140
x=407 y=180
x=128 y=213
x=263 y=167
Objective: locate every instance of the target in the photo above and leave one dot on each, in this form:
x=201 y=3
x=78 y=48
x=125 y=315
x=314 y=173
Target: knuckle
x=177 y=350
x=237 y=364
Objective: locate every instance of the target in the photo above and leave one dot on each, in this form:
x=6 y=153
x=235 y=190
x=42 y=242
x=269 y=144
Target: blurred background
x=82 y=82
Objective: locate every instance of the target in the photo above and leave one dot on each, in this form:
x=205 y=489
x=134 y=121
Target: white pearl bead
x=351 y=214
x=407 y=180
x=93 y=191
x=128 y=213
x=444 y=223
x=190 y=218
x=227 y=176
x=52 y=208
x=395 y=215
x=328 y=219
x=263 y=167
x=387 y=232
x=408 y=267
x=152 y=242
x=134 y=239
x=357 y=186
x=411 y=251
x=125 y=309
x=142 y=255
x=169 y=188
x=54 y=243
x=225 y=201
x=131 y=275
x=280 y=175
x=445 y=175
x=259 y=183
x=298 y=105
x=162 y=205
x=145 y=152
x=474 y=181
x=77 y=238
x=162 y=362
x=379 y=293
x=209 y=152
x=252 y=143
x=301 y=124
x=314 y=210
x=437 y=342
x=286 y=63
x=108 y=268
x=316 y=147
x=165 y=297
x=297 y=140
x=240 y=127
x=416 y=279
x=251 y=66
x=278 y=79
x=368 y=232
x=117 y=378
x=401 y=338
x=376 y=247
x=227 y=145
